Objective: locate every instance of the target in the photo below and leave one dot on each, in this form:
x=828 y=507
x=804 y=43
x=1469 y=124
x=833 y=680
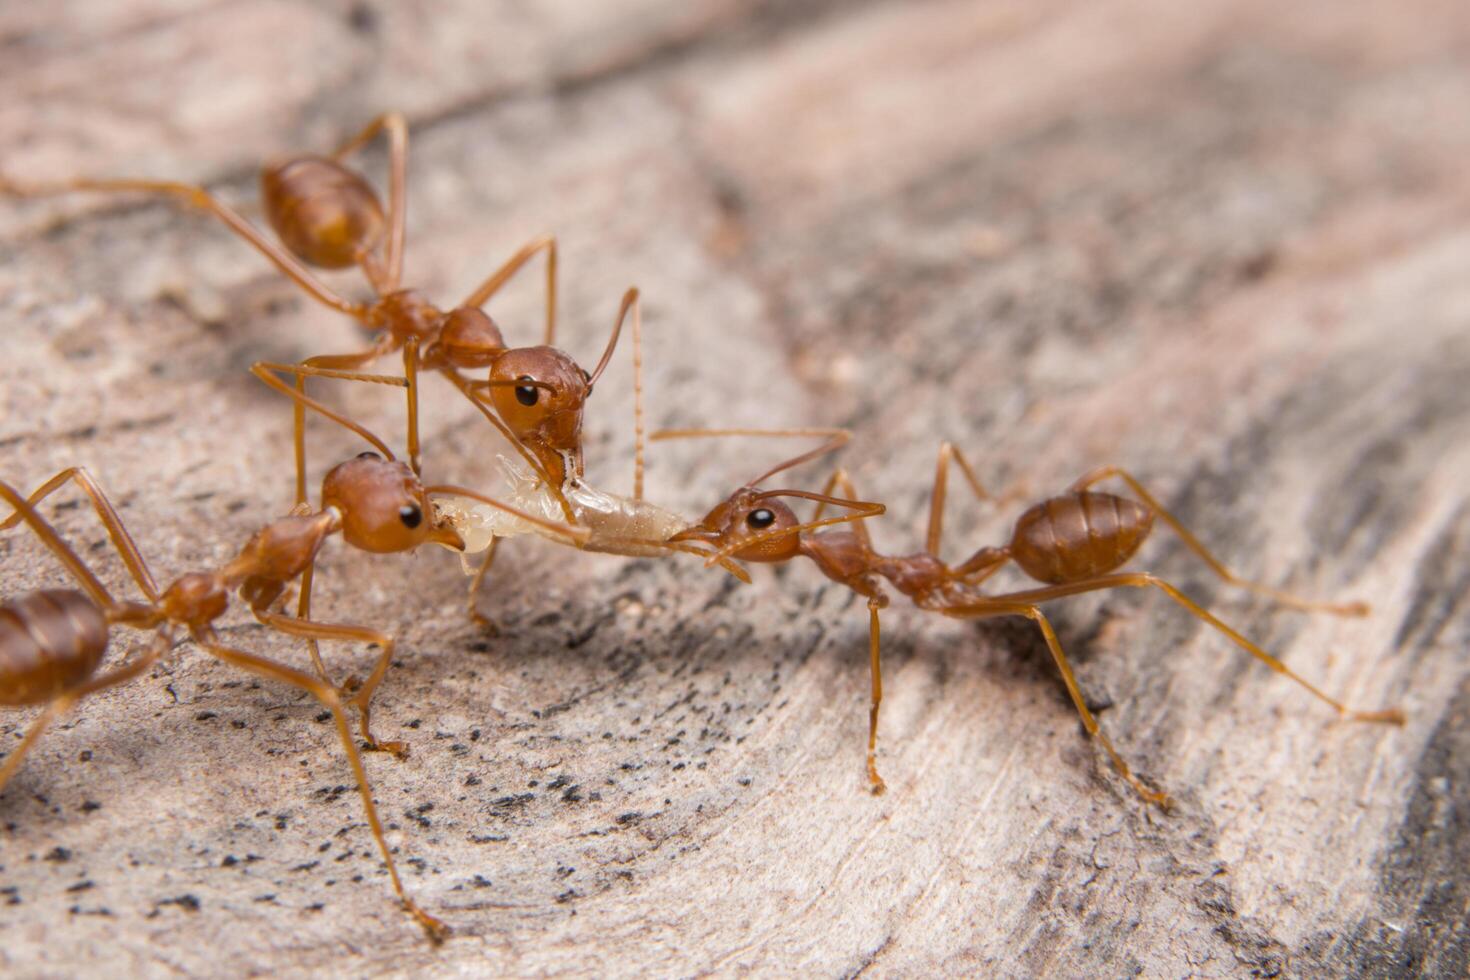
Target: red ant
x=1074 y=543
x=52 y=641
x=328 y=216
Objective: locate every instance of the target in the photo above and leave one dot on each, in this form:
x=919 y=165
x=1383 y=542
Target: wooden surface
x=1224 y=243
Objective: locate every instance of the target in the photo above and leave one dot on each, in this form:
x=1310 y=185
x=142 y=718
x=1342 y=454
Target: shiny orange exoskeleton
x=53 y=641
x=1074 y=543
x=327 y=216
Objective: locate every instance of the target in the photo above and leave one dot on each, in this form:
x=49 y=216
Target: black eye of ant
x=369 y=455
x=759 y=519
x=410 y=515
x=586 y=376
x=527 y=395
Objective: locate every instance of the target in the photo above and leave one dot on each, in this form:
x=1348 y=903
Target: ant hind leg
x=1023 y=604
x=198 y=197
x=1218 y=567
x=329 y=698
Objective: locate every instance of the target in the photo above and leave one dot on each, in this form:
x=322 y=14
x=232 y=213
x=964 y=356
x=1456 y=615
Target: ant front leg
x=363 y=696
x=498 y=278
x=1217 y=566
x=200 y=198
x=948 y=452
x=840 y=481
x=327 y=366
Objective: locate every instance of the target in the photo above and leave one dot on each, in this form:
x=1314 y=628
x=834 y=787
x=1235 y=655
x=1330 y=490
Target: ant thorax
x=619 y=525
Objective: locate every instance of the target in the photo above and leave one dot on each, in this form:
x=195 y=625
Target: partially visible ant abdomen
x=326 y=214
x=51 y=641
x=1079 y=536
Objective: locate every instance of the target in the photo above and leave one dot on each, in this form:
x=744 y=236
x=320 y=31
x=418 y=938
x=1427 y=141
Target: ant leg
x=298 y=415
x=839 y=480
x=65 y=702
x=121 y=539
x=1020 y=604
x=474 y=597
x=200 y=198
x=875 y=666
x=50 y=713
x=303 y=613
x=324 y=693
x=948 y=451
x=1139 y=580
x=397 y=129
x=500 y=276
x=265 y=371
x=411 y=382
x=1218 y=567
x=307 y=629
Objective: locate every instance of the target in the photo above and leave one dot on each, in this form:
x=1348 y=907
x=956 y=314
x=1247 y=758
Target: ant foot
x=484 y=622
x=437 y=929
x=876 y=785
x=1388 y=716
x=1163 y=801
x=399 y=750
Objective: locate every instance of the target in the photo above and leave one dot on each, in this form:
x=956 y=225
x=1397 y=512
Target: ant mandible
x=1074 y=543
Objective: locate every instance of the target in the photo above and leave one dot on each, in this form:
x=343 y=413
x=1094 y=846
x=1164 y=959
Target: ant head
x=383 y=505
x=468 y=338
x=749 y=516
x=539 y=393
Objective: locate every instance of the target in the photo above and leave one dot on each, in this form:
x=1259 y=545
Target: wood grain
x=1224 y=244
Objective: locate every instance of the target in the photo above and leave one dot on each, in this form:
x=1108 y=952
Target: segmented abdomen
x=1079 y=535
x=326 y=214
x=50 y=641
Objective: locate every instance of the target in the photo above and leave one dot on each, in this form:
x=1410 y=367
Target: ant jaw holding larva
x=753 y=517
x=539 y=393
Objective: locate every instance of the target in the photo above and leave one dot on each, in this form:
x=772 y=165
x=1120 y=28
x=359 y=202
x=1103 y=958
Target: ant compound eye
x=586 y=376
x=410 y=515
x=760 y=519
x=369 y=455
x=527 y=395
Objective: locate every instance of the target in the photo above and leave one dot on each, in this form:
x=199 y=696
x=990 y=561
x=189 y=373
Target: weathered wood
x=1223 y=243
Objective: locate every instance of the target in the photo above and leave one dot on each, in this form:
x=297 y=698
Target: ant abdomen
x=1079 y=536
x=325 y=213
x=50 y=642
